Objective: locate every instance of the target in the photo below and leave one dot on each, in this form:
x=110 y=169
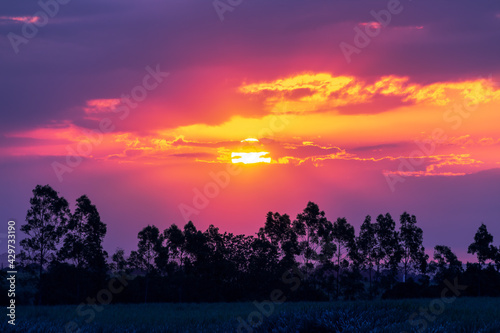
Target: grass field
x=422 y=315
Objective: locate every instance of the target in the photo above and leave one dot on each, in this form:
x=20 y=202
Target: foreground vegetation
x=460 y=315
x=63 y=261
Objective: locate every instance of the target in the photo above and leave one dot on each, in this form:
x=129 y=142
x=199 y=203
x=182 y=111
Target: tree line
x=63 y=261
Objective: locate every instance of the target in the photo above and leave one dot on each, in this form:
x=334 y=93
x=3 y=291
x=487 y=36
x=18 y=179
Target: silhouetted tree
x=311 y=225
x=84 y=236
x=447 y=264
x=482 y=245
x=45 y=224
x=497 y=258
x=279 y=231
x=263 y=261
x=343 y=238
x=176 y=243
x=388 y=252
x=148 y=249
x=367 y=247
x=119 y=262
x=484 y=250
x=195 y=245
x=352 y=285
x=219 y=267
x=238 y=249
x=82 y=243
x=189 y=265
x=411 y=238
x=144 y=257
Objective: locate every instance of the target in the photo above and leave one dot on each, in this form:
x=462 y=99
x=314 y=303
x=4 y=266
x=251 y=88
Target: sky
x=362 y=106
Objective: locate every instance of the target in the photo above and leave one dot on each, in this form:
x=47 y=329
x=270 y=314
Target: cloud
x=324 y=92
x=18 y=19
x=436 y=164
x=195 y=155
x=101 y=105
x=111 y=43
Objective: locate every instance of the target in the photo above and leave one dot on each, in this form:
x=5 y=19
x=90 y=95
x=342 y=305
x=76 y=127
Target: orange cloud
x=297 y=131
x=322 y=91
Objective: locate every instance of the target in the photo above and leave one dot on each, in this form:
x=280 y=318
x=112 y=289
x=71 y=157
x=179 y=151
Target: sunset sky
x=364 y=107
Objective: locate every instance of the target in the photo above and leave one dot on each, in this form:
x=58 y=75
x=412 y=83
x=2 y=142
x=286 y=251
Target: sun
x=249 y=158
x=250 y=152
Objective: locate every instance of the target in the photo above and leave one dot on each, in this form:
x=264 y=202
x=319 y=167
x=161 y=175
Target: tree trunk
x=479 y=281
x=180 y=294
x=40 y=284
x=146 y=291
x=338 y=271
x=40 y=279
x=370 y=278
x=404 y=275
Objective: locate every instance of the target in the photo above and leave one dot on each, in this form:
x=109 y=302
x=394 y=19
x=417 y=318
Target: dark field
x=422 y=315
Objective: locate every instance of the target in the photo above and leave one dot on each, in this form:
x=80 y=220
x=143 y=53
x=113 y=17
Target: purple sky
x=227 y=78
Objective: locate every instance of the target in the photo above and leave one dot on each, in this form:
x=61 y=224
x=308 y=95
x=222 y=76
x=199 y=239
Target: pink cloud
x=373 y=25
x=101 y=105
x=22 y=19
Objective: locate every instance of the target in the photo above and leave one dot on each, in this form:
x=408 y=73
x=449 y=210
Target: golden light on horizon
x=250 y=158
x=250 y=152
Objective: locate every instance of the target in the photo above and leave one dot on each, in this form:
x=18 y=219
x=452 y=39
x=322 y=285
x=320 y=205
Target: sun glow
x=249 y=158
